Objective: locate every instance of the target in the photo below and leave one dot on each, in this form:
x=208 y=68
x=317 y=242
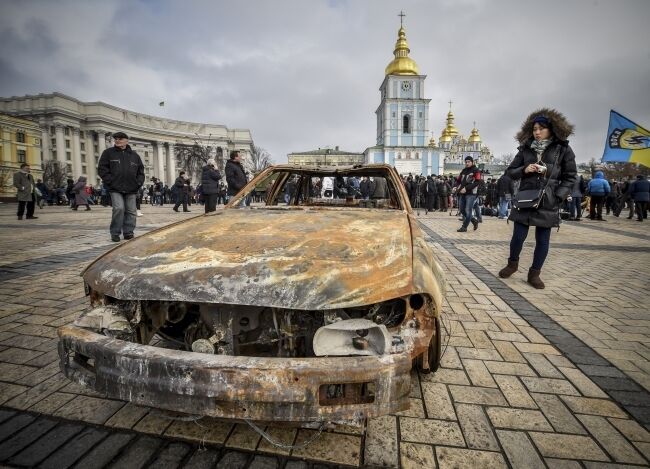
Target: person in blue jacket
x=640 y=192
x=598 y=189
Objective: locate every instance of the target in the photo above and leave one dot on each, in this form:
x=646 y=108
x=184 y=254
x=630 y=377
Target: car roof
x=331 y=169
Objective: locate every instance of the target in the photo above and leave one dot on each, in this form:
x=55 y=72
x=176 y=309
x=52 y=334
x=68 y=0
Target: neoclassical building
x=21 y=143
x=326 y=157
x=76 y=133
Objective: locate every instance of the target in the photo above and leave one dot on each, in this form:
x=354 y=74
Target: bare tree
x=258 y=160
x=504 y=159
x=6 y=181
x=54 y=174
x=192 y=158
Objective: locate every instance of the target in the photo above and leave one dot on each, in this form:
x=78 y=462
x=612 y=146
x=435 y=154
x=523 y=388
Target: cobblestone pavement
x=553 y=378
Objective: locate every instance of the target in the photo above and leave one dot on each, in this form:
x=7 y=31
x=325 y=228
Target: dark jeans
x=641 y=210
x=442 y=202
x=596 y=207
x=182 y=199
x=466 y=207
x=210 y=202
x=30 y=208
x=542 y=244
x=576 y=207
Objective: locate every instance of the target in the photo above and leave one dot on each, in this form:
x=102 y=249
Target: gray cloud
x=304 y=74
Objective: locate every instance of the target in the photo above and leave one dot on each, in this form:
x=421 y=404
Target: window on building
x=83 y=158
x=83 y=146
x=37 y=141
x=81 y=133
x=20 y=137
x=406 y=124
x=54 y=154
x=66 y=131
x=96 y=149
x=146 y=154
x=53 y=142
x=83 y=169
x=67 y=143
x=68 y=168
x=22 y=156
x=51 y=130
x=68 y=156
x=420 y=114
x=393 y=114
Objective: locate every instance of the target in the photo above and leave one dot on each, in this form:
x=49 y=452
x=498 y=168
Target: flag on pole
x=626 y=141
x=161 y=103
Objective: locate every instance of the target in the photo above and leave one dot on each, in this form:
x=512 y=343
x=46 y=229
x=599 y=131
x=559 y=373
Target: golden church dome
x=432 y=142
x=445 y=137
x=402 y=64
x=451 y=129
x=474 y=137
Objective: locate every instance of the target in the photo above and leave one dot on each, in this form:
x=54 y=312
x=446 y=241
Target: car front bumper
x=256 y=388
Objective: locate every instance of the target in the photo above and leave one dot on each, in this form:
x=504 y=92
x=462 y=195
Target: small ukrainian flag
x=626 y=141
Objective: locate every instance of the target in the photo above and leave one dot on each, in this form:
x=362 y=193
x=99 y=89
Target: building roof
x=325 y=151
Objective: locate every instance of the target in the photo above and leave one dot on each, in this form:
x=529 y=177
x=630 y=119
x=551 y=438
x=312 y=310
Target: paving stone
x=9 y=391
x=437 y=432
x=631 y=429
x=476 y=427
x=612 y=441
x=233 y=460
x=35 y=394
x=12 y=372
x=138 y=454
x=447 y=376
x=509 y=352
x=562 y=464
x=514 y=391
x=296 y=465
x=204 y=458
x=89 y=409
x=283 y=435
x=585 y=405
x=25 y=437
x=615 y=384
x=478 y=354
x=542 y=366
x=416 y=409
x=518 y=419
x=437 y=402
x=205 y=430
x=153 y=424
x=6 y=414
x=587 y=387
x=476 y=395
x=554 y=445
x=557 y=414
x=42 y=448
x=105 y=451
x=449 y=458
x=549 y=385
x=509 y=368
x=479 y=339
x=416 y=456
x=644 y=448
x=519 y=450
x=171 y=456
x=50 y=404
x=15 y=424
x=381 y=442
x=478 y=373
x=348 y=447
x=594 y=370
x=243 y=437
x=127 y=416
x=67 y=454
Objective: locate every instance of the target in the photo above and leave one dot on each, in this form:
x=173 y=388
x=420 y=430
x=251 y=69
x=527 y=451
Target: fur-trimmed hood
x=560 y=126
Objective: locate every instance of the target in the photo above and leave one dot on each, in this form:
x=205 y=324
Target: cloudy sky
x=305 y=74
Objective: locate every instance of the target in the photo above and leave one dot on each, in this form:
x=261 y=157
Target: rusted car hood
x=288 y=258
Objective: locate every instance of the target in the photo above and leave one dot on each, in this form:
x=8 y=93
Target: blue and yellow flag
x=626 y=141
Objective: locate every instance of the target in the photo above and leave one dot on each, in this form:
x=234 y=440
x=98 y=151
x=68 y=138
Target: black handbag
x=532 y=198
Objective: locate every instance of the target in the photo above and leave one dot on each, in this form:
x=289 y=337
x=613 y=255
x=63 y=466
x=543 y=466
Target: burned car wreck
x=313 y=304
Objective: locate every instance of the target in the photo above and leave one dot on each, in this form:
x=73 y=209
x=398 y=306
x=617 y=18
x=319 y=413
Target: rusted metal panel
x=298 y=259
x=285 y=389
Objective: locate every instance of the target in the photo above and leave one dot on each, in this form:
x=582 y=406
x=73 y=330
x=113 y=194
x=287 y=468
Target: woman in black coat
x=544 y=161
x=210 y=178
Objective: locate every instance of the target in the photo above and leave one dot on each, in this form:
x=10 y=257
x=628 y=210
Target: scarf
x=539 y=146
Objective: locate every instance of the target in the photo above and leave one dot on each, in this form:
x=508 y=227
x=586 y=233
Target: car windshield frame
x=278 y=176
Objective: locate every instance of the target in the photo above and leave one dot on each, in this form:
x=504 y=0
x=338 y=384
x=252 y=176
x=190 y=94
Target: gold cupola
x=402 y=64
x=432 y=142
x=451 y=129
x=474 y=136
x=445 y=137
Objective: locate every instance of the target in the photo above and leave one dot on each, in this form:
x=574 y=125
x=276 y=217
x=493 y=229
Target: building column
x=101 y=142
x=171 y=163
x=76 y=153
x=159 y=166
x=91 y=164
x=45 y=145
x=60 y=145
x=5 y=136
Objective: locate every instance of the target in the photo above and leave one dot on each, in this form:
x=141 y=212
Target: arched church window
x=399 y=155
x=417 y=155
x=406 y=124
x=408 y=154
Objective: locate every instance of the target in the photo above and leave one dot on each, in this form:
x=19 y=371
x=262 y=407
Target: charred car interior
x=312 y=306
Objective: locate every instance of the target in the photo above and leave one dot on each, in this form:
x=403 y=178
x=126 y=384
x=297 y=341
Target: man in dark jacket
x=443 y=194
x=122 y=173
x=432 y=194
x=467 y=184
x=210 y=185
x=505 y=189
x=182 y=186
x=640 y=192
x=235 y=174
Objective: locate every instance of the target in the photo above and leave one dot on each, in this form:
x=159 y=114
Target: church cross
x=401 y=18
x=474 y=124
x=450 y=105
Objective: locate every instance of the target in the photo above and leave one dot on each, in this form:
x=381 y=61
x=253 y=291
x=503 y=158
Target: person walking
x=598 y=189
x=122 y=174
x=80 y=194
x=641 y=195
x=577 y=191
x=25 y=193
x=504 y=193
x=235 y=175
x=467 y=189
x=182 y=186
x=210 y=178
x=545 y=164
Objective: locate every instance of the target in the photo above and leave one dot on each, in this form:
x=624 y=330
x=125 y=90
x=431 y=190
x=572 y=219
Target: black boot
x=534 y=280
x=510 y=269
